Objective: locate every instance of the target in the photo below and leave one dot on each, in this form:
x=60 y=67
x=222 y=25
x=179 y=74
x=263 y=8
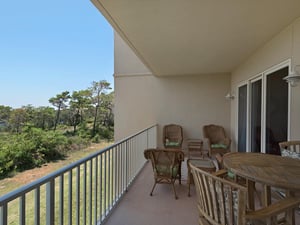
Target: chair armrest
x=220 y=173
x=227 y=142
x=274 y=209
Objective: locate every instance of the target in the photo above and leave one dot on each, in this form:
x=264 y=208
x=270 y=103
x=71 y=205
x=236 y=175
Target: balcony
x=99 y=189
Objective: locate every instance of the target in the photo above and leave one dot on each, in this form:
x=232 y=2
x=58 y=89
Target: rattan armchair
x=172 y=136
x=223 y=202
x=216 y=139
x=166 y=164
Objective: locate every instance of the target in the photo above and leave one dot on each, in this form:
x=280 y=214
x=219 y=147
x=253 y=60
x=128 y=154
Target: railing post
x=22 y=209
x=50 y=202
x=37 y=202
x=3 y=214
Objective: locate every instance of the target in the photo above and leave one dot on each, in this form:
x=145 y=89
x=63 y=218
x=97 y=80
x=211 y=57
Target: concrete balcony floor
x=139 y=208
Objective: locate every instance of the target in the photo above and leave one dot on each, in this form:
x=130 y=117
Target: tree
x=80 y=101
x=107 y=110
x=59 y=101
x=97 y=89
x=17 y=119
x=44 y=117
x=5 y=112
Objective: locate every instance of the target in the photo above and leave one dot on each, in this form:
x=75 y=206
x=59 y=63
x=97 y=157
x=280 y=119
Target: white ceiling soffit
x=179 y=37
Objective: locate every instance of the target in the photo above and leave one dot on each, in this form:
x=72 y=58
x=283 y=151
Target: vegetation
x=31 y=136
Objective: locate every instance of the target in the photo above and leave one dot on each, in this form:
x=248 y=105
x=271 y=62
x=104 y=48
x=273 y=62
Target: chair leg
x=153 y=188
x=179 y=174
x=176 y=197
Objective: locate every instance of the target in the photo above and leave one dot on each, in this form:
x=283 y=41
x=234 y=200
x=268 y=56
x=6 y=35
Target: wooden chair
x=290 y=149
x=166 y=164
x=172 y=136
x=223 y=202
x=287 y=149
x=216 y=138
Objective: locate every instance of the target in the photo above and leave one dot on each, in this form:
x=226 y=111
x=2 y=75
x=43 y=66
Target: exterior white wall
x=284 y=46
x=142 y=99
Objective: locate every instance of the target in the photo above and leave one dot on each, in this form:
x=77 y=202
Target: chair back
x=172 y=136
x=216 y=139
x=165 y=162
x=220 y=202
x=290 y=149
x=214 y=133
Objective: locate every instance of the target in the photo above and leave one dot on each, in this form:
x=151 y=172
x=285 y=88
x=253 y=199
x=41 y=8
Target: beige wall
x=142 y=99
x=284 y=46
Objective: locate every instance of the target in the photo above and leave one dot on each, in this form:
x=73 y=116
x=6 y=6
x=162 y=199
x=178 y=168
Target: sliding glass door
x=263 y=112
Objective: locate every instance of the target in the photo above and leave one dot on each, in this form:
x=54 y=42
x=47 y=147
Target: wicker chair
x=287 y=149
x=172 y=136
x=223 y=202
x=290 y=149
x=166 y=164
x=216 y=138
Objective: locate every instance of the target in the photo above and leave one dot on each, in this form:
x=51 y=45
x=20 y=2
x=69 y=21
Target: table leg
x=267 y=195
x=290 y=217
x=251 y=189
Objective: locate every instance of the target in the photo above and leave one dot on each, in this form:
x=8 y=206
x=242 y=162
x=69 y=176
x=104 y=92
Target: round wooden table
x=269 y=170
x=272 y=170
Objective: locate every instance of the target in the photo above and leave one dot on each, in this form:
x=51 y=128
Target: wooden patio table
x=269 y=170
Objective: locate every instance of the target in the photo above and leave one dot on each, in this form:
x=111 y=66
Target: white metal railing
x=83 y=192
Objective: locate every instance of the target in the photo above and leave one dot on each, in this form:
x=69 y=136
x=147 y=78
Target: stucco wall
x=284 y=46
x=142 y=99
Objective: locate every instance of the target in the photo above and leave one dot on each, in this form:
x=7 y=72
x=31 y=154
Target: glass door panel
x=242 y=118
x=255 y=116
x=276 y=110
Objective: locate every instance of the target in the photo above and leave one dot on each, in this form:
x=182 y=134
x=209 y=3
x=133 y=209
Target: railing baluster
x=109 y=180
x=84 y=193
x=78 y=195
x=90 y=192
x=22 y=209
x=96 y=191
x=115 y=175
x=101 y=185
x=105 y=182
x=50 y=202
x=3 y=214
x=61 y=199
x=70 y=205
x=37 y=207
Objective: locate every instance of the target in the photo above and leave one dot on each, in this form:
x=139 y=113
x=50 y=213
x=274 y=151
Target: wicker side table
x=195 y=145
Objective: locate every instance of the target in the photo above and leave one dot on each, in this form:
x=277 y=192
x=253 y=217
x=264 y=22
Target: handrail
x=115 y=159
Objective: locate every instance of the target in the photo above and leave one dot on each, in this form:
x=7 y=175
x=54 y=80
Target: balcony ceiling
x=177 y=37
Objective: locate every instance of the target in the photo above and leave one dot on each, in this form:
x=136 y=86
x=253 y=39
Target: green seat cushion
x=230 y=174
x=172 y=144
x=219 y=146
x=163 y=170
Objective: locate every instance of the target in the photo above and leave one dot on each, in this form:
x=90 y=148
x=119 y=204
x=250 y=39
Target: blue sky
x=47 y=47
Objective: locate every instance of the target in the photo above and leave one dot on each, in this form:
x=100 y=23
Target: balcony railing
x=83 y=192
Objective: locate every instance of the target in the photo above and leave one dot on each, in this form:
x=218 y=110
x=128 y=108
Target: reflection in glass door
x=242 y=119
x=276 y=111
x=255 y=116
